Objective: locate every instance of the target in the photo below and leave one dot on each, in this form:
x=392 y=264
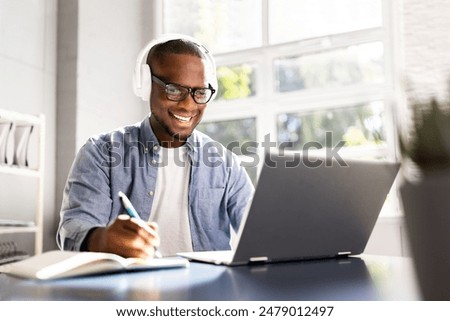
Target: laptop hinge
x=257 y=259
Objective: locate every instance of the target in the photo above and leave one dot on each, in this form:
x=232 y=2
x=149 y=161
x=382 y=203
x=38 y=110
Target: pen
x=133 y=213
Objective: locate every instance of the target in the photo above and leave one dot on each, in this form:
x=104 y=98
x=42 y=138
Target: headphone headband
x=142 y=74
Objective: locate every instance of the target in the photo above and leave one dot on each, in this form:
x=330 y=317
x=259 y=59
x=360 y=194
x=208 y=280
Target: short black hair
x=176 y=46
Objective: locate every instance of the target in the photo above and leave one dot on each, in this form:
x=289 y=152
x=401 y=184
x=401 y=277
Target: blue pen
x=128 y=206
x=133 y=213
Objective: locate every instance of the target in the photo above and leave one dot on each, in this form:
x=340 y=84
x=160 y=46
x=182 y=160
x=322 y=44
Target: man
x=190 y=186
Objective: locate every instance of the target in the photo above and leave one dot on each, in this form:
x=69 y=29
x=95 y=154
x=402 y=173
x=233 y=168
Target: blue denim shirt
x=127 y=160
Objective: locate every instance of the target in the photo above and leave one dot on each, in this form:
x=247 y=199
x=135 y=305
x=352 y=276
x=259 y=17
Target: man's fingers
x=153 y=225
x=136 y=224
x=134 y=237
x=148 y=228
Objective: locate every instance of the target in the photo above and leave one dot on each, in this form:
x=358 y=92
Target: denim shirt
x=127 y=160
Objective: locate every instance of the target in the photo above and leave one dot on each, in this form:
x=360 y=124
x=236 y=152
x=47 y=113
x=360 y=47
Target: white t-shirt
x=170 y=204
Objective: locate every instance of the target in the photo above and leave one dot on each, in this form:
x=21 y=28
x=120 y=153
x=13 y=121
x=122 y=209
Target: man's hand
x=127 y=237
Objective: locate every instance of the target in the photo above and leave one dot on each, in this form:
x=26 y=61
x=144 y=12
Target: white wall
x=28 y=85
x=109 y=39
x=426 y=45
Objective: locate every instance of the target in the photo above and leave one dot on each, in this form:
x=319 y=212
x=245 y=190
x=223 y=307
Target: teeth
x=182 y=118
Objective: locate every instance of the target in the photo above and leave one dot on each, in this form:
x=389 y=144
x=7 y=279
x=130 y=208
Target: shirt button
x=155 y=147
x=146 y=150
x=150 y=193
x=153 y=161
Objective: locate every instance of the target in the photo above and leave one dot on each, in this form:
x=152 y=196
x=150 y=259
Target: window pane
x=291 y=20
x=233 y=134
x=236 y=81
x=220 y=25
x=360 y=126
x=360 y=64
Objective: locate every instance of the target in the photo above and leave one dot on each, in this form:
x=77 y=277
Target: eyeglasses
x=177 y=92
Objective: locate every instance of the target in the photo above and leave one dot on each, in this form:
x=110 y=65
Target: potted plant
x=425 y=194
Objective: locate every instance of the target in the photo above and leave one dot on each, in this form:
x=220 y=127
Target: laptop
x=306 y=208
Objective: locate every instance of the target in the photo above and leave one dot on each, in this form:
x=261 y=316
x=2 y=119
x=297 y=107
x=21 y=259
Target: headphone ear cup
x=146 y=82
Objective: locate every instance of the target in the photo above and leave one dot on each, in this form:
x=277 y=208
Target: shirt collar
x=150 y=141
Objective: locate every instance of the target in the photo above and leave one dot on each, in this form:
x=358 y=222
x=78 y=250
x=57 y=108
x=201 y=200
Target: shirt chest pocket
x=210 y=206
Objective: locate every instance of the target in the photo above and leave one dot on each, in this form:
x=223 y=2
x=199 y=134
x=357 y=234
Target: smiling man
x=188 y=190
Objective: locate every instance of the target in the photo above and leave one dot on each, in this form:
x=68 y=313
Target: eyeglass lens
x=178 y=93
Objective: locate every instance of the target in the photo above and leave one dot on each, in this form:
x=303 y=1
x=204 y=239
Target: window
x=214 y=22
x=291 y=20
x=356 y=64
x=236 y=81
x=356 y=126
x=296 y=71
x=231 y=133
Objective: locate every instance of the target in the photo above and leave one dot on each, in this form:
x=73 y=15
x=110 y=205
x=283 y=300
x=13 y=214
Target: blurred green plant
x=235 y=82
x=427 y=141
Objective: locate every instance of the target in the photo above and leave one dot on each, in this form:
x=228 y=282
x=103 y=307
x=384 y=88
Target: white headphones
x=142 y=82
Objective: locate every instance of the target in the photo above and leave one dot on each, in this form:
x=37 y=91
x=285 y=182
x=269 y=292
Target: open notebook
x=304 y=211
x=62 y=264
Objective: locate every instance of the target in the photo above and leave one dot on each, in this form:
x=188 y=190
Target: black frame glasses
x=176 y=92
